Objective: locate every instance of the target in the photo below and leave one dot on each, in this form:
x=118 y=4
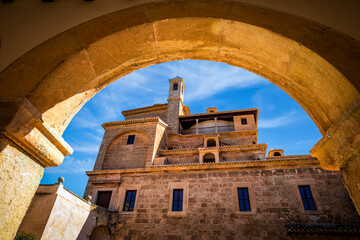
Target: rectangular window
x=243 y=121
x=131 y=139
x=103 y=198
x=177 y=204
x=244 y=200
x=129 y=203
x=307 y=198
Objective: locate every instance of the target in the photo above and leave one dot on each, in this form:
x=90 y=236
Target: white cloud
x=285 y=119
x=205 y=79
x=87 y=148
x=85 y=119
x=71 y=165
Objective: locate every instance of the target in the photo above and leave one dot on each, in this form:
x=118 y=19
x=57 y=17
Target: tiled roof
x=322 y=229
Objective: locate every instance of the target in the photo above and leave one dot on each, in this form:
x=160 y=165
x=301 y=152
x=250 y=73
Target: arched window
x=175 y=86
x=211 y=143
x=209 y=158
x=277 y=154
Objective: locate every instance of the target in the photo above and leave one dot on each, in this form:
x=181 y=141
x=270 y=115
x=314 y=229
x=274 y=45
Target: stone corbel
x=34 y=136
x=341 y=141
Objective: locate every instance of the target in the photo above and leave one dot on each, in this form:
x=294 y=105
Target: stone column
x=216 y=127
x=197 y=126
x=27 y=146
x=339 y=149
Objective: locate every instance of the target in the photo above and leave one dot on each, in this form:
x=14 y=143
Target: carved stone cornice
x=30 y=133
x=278 y=162
x=154 y=108
x=135 y=121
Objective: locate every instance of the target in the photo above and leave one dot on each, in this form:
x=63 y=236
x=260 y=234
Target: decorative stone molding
x=155 y=107
x=214 y=137
x=272 y=152
x=34 y=136
x=135 y=121
x=204 y=151
x=294 y=160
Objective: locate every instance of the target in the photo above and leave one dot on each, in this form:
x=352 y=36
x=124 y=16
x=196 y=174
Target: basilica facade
x=164 y=173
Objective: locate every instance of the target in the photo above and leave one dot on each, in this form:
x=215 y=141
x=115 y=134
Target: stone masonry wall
x=241 y=127
x=20 y=176
x=234 y=138
x=184 y=141
x=160 y=114
x=118 y=135
x=122 y=155
x=212 y=207
x=241 y=155
x=184 y=158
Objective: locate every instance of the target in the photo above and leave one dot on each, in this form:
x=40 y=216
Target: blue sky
x=282 y=122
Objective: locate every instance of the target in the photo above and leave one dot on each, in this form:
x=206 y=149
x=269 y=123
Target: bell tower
x=175 y=103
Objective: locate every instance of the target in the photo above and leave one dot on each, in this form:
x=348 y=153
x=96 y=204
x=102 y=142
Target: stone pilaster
x=27 y=146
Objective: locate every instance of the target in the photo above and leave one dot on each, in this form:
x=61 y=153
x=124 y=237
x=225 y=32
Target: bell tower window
x=175 y=86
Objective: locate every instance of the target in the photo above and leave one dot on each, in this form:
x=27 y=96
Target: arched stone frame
x=272 y=153
x=108 y=144
x=204 y=151
x=213 y=137
x=310 y=68
x=208 y=158
x=175 y=86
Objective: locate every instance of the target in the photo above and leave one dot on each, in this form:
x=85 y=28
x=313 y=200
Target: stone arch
x=43 y=89
x=277 y=154
x=289 y=63
x=209 y=158
x=119 y=149
x=100 y=233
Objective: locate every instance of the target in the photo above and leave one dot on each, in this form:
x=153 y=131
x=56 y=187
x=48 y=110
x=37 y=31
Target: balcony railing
x=208 y=130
